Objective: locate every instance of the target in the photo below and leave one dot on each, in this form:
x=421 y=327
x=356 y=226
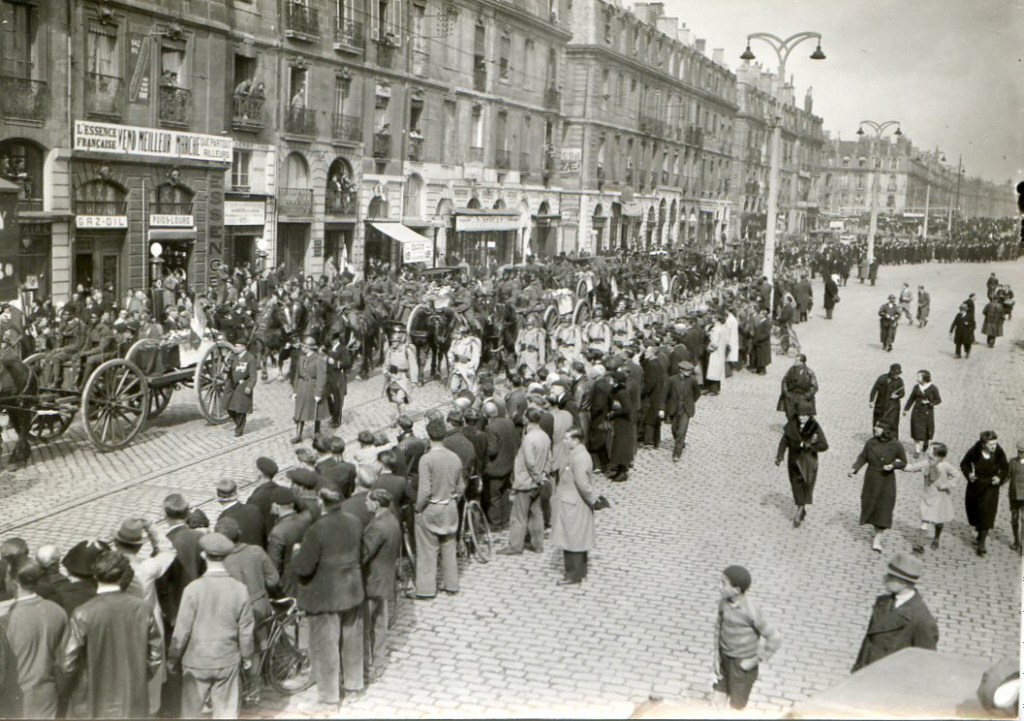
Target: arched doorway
x=545 y=234
x=341 y=208
x=619 y=229
x=99 y=246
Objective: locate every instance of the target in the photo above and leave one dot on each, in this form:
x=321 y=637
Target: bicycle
x=284 y=660
x=785 y=342
x=475 y=539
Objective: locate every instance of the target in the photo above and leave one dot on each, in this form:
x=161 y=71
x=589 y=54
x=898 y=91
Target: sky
x=951 y=71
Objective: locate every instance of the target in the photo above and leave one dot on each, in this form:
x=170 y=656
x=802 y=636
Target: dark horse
x=19 y=390
x=275 y=335
x=431 y=330
x=496 y=324
x=361 y=330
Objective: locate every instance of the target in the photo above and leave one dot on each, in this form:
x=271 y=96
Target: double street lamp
x=879 y=130
x=782 y=48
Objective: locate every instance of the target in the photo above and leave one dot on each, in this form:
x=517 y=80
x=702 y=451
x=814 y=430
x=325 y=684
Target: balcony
x=300 y=121
x=247 y=111
x=301 y=22
x=295 y=202
x=480 y=78
x=104 y=95
x=341 y=202
x=346 y=128
x=382 y=145
x=524 y=165
x=553 y=98
x=476 y=155
x=629 y=176
x=664 y=177
x=348 y=36
x=101 y=207
x=23 y=99
x=416 y=149
x=502 y=159
x=175 y=106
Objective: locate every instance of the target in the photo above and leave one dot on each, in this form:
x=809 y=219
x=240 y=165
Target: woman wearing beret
x=986 y=468
x=922 y=400
x=882 y=454
x=803 y=439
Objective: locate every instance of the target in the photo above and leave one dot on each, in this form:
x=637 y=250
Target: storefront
x=395 y=245
x=244 y=225
x=485 y=238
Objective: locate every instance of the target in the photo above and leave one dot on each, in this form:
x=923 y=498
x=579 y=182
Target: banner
x=570 y=160
x=140 y=47
x=485 y=223
x=244 y=212
x=92 y=137
x=417 y=252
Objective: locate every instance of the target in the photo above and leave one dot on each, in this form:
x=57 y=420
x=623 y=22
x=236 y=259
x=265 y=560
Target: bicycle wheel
x=479 y=531
x=793 y=349
x=286 y=665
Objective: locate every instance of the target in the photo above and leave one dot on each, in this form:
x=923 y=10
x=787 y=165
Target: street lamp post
x=782 y=48
x=878 y=129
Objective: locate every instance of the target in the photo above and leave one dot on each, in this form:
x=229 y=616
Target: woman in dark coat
x=922 y=400
x=238 y=386
x=762 y=350
x=623 y=429
x=992 y=327
x=804 y=439
x=986 y=468
x=882 y=454
x=962 y=330
x=832 y=295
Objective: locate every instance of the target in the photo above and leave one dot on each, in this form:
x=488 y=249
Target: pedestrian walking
x=239 y=382
x=802 y=440
x=681 y=405
x=962 y=331
x=936 y=501
x=832 y=294
x=992 y=327
x=888 y=320
x=382 y=542
x=762 y=343
x=1016 y=483
x=213 y=635
x=441 y=484
x=528 y=478
x=744 y=639
x=882 y=454
x=906 y=298
x=921 y=405
x=899 y=619
x=885 y=398
x=310 y=388
x=985 y=467
x=924 y=306
x=339 y=361
x=799 y=385
x=572 y=528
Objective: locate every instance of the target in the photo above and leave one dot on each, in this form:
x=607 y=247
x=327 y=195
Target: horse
x=19 y=389
x=271 y=338
x=497 y=325
x=361 y=330
x=431 y=329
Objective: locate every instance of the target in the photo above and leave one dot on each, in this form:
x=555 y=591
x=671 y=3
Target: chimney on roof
x=718 y=55
x=702 y=45
x=809 y=101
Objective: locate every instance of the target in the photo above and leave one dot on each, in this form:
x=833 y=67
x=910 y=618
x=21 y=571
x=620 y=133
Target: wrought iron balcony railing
x=341 y=202
x=382 y=145
x=23 y=98
x=346 y=127
x=295 y=202
x=175 y=106
x=301 y=21
x=101 y=207
x=247 y=111
x=348 y=34
x=300 y=121
x=104 y=95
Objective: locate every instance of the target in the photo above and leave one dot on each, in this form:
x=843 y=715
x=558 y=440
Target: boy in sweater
x=739 y=628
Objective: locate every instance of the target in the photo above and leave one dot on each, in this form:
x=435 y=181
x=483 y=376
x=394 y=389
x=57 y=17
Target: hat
x=216 y=545
x=266 y=466
x=229 y=527
x=895 y=368
x=619 y=377
x=892 y=297
x=226 y=489
x=78 y=561
x=405 y=423
x=130 y=532
x=685 y=365
x=282 y=496
x=906 y=567
x=738 y=576
x=884 y=425
x=302 y=477
x=803 y=408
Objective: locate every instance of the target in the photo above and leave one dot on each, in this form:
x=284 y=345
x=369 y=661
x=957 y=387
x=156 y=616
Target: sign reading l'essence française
x=93 y=137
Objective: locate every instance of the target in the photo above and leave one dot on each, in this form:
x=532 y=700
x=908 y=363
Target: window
x=240 y=160
x=173 y=66
x=415 y=116
x=388 y=21
x=297 y=87
x=505 y=49
x=245 y=74
x=419 y=42
x=101 y=50
x=529 y=66
x=342 y=93
x=605 y=92
x=862 y=162
x=846 y=162
x=477 y=127
x=18 y=36
x=894 y=164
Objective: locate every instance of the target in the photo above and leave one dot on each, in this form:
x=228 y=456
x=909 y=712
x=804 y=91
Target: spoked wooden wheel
x=51 y=423
x=211 y=374
x=115 y=404
x=582 y=313
x=158 y=399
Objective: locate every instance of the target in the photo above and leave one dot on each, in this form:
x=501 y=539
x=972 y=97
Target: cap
x=302 y=477
x=738 y=576
x=803 y=408
x=282 y=496
x=78 y=561
x=266 y=466
x=906 y=567
x=895 y=368
x=892 y=297
x=216 y=545
x=685 y=365
x=226 y=488
x=130 y=532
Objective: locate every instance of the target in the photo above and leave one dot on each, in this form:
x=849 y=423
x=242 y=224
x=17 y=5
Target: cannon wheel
x=133 y=350
x=211 y=370
x=675 y=287
x=581 y=289
x=115 y=404
x=159 y=398
x=582 y=312
x=550 y=318
x=412 y=316
x=51 y=423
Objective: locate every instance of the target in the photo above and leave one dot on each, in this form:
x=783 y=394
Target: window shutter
x=395 y=21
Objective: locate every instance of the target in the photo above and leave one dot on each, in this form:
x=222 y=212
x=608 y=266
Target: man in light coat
x=530 y=472
x=572 y=527
x=441 y=484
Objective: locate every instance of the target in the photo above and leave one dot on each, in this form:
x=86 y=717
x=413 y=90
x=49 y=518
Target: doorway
x=97 y=264
x=291 y=247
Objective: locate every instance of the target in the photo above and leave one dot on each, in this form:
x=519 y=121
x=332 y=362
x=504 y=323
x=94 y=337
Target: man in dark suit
x=397 y=486
x=502 y=444
x=239 y=383
x=338 y=363
x=652 y=400
x=249 y=518
x=292 y=524
x=678 y=353
x=382 y=541
x=331 y=470
x=411 y=447
x=900 y=619
x=695 y=340
x=476 y=436
x=330 y=592
x=515 y=401
x=356 y=504
x=599 y=442
x=680 y=405
x=266 y=469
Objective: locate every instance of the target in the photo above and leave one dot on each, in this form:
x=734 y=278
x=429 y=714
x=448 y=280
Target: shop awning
x=416 y=248
x=172 y=234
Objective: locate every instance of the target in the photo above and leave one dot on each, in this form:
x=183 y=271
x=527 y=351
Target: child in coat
x=936 y=501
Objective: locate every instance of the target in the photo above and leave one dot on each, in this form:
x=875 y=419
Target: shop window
x=21 y=163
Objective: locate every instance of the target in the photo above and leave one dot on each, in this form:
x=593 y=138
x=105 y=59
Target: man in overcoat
x=831 y=295
x=572 y=527
x=962 y=331
x=900 y=619
x=799 y=385
x=680 y=405
x=653 y=396
x=339 y=360
x=885 y=398
x=310 y=388
x=239 y=384
x=888 y=320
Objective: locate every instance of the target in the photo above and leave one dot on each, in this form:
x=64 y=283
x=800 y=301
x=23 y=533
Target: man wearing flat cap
x=250 y=519
x=900 y=619
x=888 y=319
x=305 y=486
x=266 y=469
x=681 y=396
x=885 y=398
x=1016 y=484
x=291 y=525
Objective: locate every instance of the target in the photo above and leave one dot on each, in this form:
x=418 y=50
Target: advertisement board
x=93 y=137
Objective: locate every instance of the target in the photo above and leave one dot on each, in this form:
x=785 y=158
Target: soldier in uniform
x=239 y=384
x=622 y=326
x=310 y=394
x=464 y=360
x=71 y=336
x=531 y=344
x=400 y=369
x=567 y=342
x=101 y=344
x=598 y=335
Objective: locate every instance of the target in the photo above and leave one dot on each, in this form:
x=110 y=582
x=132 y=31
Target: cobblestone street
x=514 y=644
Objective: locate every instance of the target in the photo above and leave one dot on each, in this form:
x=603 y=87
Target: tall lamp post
x=782 y=48
x=879 y=130
x=959 y=173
